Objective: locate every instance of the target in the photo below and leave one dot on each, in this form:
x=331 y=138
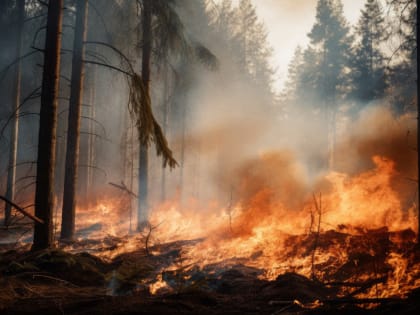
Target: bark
x=21 y=210
x=92 y=131
x=87 y=143
x=165 y=110
x=143 y=152
x=418 y=121
x=182 y=159
x=44 y=193
x=73 y=130
x=14 y=134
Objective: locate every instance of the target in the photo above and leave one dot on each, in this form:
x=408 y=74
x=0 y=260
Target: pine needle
x=148 y=128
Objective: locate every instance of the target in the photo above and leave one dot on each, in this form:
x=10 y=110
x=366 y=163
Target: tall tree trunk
x=143 y=152
x=44 y=193
x=91 y=136
x=14 y=133
x=418 y=120
x=182 y=158
x=73 y=129
x=165 y=115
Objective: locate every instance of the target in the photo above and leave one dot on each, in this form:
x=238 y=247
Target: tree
x=14 y=134
x=418 y=120
x=246 y=19
x=73 y=130
x=44 y=193
x=407 y=98
x=404 y=57
x=368 y=63
x=252 y=48
x=143 y=203
x=330 y=38
x=166 y=37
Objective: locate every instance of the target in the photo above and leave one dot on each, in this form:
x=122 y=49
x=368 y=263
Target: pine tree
x=44 y=194
x=331 y=40
x=14 y=134
x=246 y=22
x=73 y=133
x=403 y=74
x=368 y=65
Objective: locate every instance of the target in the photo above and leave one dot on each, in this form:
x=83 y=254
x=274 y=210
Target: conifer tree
x=368 y=63
x=331 y=40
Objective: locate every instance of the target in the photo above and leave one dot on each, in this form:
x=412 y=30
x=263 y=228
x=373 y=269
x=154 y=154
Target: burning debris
x=376 y=268
x=352 y=246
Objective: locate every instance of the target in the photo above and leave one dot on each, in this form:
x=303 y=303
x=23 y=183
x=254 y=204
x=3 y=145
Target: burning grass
x=275 y=246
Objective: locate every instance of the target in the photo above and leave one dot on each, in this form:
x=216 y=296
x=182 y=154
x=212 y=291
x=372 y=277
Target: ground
x=69 y=280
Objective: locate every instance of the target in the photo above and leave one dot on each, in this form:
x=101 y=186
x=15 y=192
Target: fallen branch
x=357 y=284
x=21 y=210
x=367 y=286
x=362 y=301
x=124 y=188
x=336 y=301
x=55 y=279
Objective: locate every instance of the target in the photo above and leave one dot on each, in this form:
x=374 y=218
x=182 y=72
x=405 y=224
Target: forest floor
x=69 y=280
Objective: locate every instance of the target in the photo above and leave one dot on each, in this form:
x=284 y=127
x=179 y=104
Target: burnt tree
x=145 y=75
x=418 y=121
x=73 y=130
x=14 y=132
x=44 y=193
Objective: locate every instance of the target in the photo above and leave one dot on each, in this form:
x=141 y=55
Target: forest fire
x=355 y=231
x=209 y=157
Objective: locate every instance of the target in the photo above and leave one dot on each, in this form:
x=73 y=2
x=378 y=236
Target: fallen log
x=21 y=210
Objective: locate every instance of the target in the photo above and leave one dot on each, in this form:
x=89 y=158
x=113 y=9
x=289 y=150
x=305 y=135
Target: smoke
x=237 y=149
x=270 y=166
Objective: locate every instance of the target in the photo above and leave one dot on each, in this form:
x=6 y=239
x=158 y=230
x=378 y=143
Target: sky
x=288 y=22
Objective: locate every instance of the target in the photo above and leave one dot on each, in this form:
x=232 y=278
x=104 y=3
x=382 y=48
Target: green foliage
x=244 y=40
x=403 y=74
x=369 y=77
x=330 y=38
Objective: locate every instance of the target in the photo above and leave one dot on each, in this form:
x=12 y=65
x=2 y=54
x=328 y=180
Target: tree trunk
x=182 y=158
x=165 y=115
x=91 y=137
x=73 y=129
x=14 y=133
x=418 y=121
x=143 y=152
x=44 y=193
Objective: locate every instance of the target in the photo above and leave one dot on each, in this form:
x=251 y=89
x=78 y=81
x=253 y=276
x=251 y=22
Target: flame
x=368 y=199
x=158 y=285
x=276 y=223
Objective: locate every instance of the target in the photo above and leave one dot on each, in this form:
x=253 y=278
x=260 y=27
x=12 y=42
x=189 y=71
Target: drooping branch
x=124 y=187
x=147 y=126
x=119 y=52
x=3 y=72
x=32 y=95
x=140 y=106
x=108 y=66
x=21 y=210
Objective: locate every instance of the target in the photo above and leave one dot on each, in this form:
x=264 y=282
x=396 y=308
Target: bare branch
x=21 y=210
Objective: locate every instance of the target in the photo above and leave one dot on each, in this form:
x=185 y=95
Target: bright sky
x=288 y=23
